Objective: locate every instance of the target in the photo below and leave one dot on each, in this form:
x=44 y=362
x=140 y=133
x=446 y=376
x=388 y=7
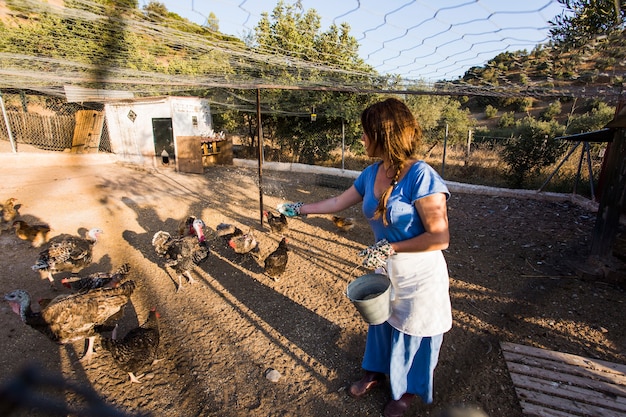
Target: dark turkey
x=276 y=262
x=182 y=253
x=137 y=349
x=68 y=318
x=96 y=280
x=66 y=253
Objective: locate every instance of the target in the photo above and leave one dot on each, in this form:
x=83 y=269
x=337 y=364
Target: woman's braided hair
x=391 y=126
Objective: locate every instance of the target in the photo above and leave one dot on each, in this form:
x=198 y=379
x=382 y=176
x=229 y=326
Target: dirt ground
x=513 y=273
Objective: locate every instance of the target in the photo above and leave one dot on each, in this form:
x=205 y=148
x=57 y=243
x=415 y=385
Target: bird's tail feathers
x=41 y=264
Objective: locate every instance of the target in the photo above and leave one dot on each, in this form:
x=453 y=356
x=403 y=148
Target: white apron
x=420 y=293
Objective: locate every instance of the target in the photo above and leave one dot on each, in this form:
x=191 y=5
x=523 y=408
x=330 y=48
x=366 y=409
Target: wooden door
x=87 y=131
x=189 y=154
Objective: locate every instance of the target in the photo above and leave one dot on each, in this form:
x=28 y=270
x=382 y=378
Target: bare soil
x=514 y=273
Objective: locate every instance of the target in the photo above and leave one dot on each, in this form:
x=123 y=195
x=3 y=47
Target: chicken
x=37 y=234
x=344 y=224
x=183 y=252
x=277 y=223
x=9 y=213
x=138 y=348
x=276 y=262
x=243 y=242
x=68 y=318
x=96 y=280
x=66 y=253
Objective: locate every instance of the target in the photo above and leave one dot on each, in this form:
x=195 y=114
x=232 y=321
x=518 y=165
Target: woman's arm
x=434 y=214
x=334 y=204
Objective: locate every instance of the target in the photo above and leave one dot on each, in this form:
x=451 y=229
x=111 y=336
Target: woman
x=404 y=200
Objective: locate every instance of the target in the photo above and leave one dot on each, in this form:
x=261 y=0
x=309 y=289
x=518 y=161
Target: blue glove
x=290 y=209
x=375 y=256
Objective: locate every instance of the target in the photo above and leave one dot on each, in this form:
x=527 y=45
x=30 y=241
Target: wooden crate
x=555 y=384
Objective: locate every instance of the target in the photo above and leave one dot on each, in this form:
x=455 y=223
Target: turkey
x=36 y=234
x=138 y=348
x=277 y=222
x=186 y=227
x=66 y=253
x=96 y=280
x=182 y=253
x=344 y=224
x=68 y=318
x=9 y=213
x=276 y=262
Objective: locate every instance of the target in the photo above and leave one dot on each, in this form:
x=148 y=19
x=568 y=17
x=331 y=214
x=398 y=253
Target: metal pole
x=343 y=144
x=445 y=146
x=593 y=194
x=260 y=142
x=6 y=122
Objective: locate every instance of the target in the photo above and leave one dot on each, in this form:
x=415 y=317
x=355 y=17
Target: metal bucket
x=371 y=295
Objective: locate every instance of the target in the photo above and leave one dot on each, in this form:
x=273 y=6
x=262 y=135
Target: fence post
x=6 y=122
x=469 y=144
x=445 y=147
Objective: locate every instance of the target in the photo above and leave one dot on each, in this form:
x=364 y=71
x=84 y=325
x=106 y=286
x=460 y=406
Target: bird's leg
x=189 y=277
x=53 y=284
x=133 y=378
x=180 y=282
x=89 y=351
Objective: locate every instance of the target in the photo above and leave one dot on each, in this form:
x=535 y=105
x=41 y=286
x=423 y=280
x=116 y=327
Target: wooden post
x=611 y=198
x=445 y=147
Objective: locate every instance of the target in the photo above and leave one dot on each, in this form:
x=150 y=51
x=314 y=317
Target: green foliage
x=532 y=147
x=491 y=112
x=435 y=112
x=553 y=110
x=296 y=33
x=507 y=120
x=595 y=119
x=583 y=20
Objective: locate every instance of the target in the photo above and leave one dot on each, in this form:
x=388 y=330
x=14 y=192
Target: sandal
x=369 y=381
x=397 y=408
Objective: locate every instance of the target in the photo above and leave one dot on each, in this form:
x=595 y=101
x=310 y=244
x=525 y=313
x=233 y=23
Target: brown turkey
x=66 y=253
x=276 y=262
x=96 y=280
x=68 y=318
x=138 y=348
x=36 y=234
x=182 y=253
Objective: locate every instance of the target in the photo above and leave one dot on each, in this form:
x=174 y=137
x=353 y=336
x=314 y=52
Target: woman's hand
x=290 y=209
x=375 y=256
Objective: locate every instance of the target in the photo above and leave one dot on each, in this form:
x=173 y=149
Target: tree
x=584 y=20
x=532 y=147
x=292 y=34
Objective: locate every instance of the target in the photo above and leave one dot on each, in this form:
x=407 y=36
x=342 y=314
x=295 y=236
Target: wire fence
x=47 y=125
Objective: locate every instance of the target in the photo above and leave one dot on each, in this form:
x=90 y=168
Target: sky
x=426 y=40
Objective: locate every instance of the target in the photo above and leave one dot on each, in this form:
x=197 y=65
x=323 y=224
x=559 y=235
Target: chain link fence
x=44 y=122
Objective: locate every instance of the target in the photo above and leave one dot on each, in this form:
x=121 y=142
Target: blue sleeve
x=427 y=182
x=364 y=178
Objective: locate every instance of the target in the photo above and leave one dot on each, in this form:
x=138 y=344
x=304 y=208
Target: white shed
x=160 y=131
